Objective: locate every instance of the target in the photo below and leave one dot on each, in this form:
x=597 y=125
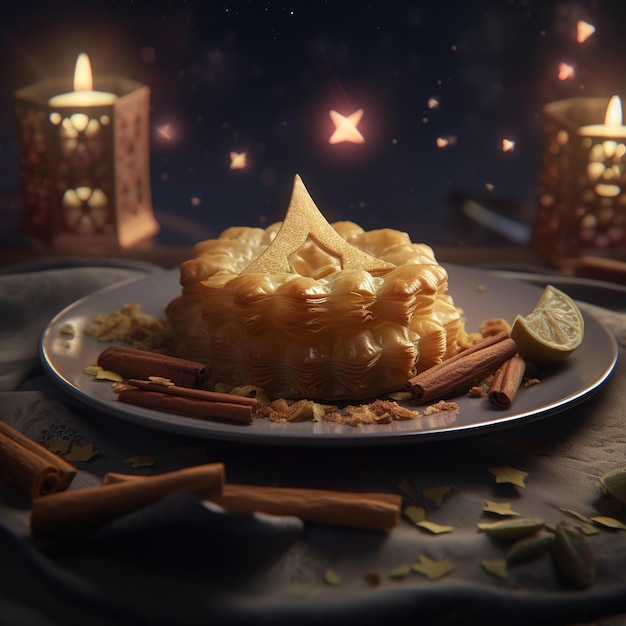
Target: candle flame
x=83 y=78
x=613 y=115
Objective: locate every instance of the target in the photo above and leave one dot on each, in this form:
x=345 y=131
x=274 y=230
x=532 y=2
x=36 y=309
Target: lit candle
x=613 y=122
x=83 y=94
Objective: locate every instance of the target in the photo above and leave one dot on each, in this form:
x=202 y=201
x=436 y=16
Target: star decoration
x=237 y=160
x=81 y=453
x=433 y=569
x=140 y=461
x=507 y=474
x=499 y=508
x=346 y=127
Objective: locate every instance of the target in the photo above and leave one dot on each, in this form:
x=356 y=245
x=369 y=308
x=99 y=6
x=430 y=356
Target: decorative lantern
x=85 y=163
x=582 y=186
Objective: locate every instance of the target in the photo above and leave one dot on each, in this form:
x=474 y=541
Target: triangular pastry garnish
x=304 y=221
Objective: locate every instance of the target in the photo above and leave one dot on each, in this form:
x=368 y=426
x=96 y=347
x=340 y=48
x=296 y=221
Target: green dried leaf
x=497 y=567
x=499 y=508
x=579 y=516
x=433 y=569
x=331 y=577
x=81 y=453
x=588 y=529
x=435 y=528
x=609 y=522
x=508 y=474
x=436 y=494
x=415 y=513
x=140 y=461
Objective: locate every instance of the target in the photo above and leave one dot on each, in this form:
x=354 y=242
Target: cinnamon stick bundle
x=506 y=382
x=460 y=372
x=184 y=405
x=141 y=364
x=30 y=468
x=81 y=509
x=373 y=511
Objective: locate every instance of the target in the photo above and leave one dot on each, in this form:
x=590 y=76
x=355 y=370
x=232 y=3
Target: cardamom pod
x=513 y=529
x=614 y=484
x=574 y=555
x=529 y=547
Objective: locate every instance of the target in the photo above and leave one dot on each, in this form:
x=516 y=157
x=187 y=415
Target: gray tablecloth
x=179 y=563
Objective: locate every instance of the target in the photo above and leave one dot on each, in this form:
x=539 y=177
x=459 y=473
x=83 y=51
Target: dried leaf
x=58 y=445
x=415 y=513
x=433 y=569
x=499 y=508
x=81 y=453
x=401 y=571
x=436 y=494
x=576 y=514
x=497 y=567
x=160 y=380
x=108 y=375
x=435 y=528
x=140 y=461
x=331 y=577
x=508 y=474
x=609 y=522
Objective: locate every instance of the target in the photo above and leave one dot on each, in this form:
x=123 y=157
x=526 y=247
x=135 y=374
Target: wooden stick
x=82 y=509
x=193 y=407
x=506 y=382
x=460 y=372
x=374 y=511
x=141 y=364
x=30 y=468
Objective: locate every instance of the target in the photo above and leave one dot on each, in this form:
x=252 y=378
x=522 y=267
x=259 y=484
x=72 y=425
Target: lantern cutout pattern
x=85 y=168
x=582 y=185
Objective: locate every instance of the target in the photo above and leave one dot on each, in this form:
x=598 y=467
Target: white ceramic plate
x=479 y=293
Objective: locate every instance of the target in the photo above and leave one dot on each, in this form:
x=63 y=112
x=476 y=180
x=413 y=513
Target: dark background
x=261 y=77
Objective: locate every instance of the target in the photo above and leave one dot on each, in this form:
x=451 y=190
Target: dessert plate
x=479 y=293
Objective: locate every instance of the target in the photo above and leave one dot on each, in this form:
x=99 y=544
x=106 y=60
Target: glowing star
x=165 y=131
x=584 y=30
x=346 y=127
x=433 y=103
x=237 y=160
x=508 y=145
x=565 y=71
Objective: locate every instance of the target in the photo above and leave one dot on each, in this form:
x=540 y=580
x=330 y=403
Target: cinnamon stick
x=82 y=509
x=199 y=394
x=460 y=372
x=133 y=363
x=182 y=405
x=374 y=511
x=506 y=382
x=30 y=468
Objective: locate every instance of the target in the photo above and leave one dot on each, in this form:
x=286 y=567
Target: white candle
x=83 y=94
x=613 y=126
